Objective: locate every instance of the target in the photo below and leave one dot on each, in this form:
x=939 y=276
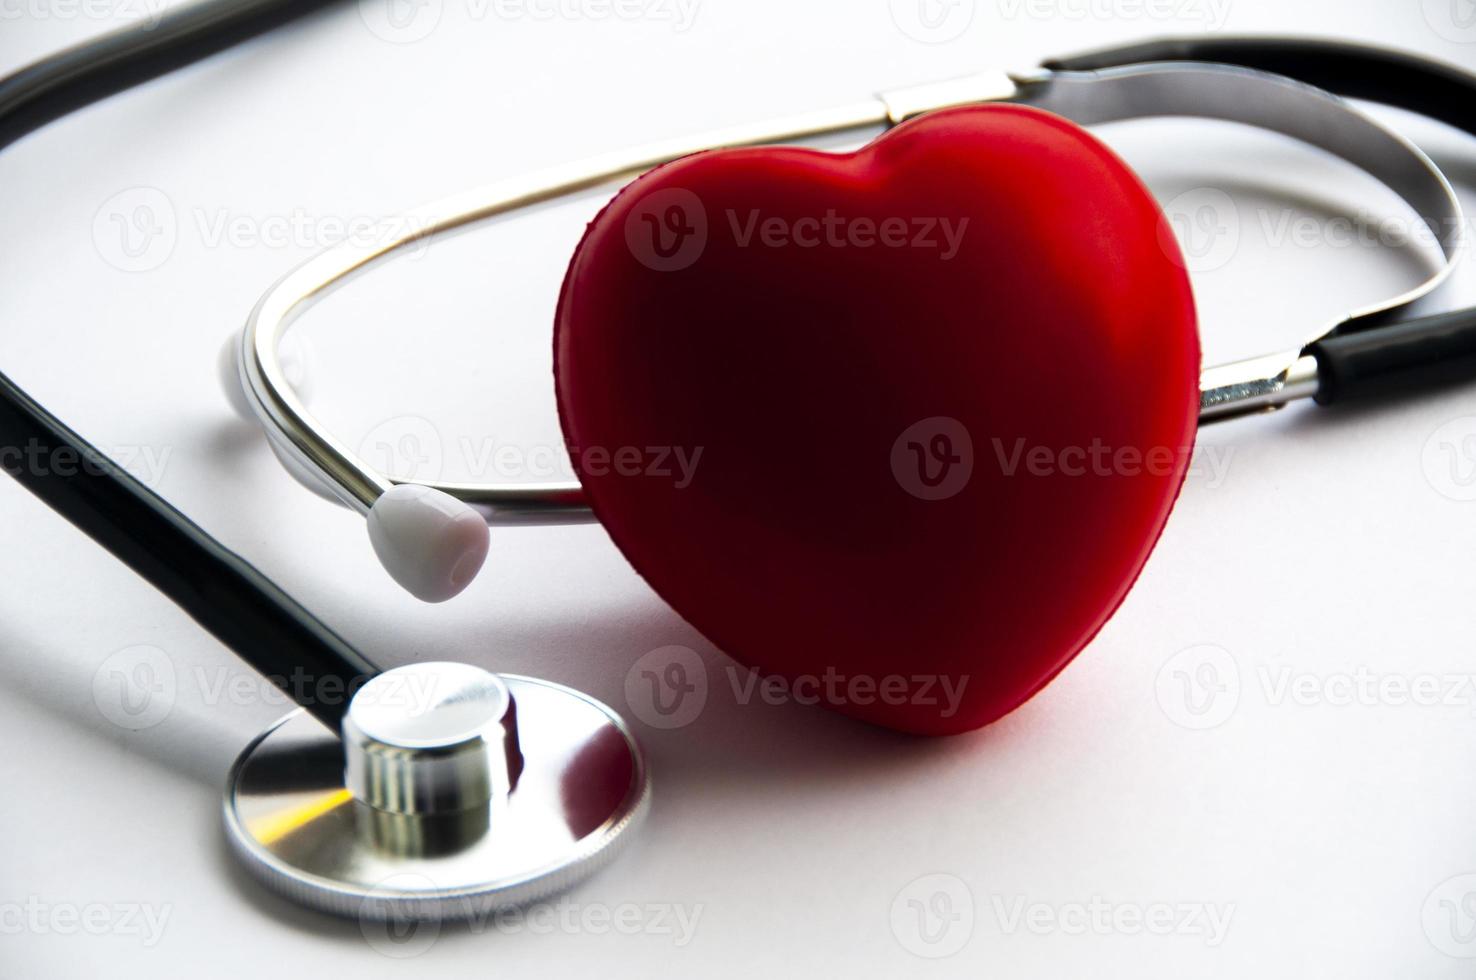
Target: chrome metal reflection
x=295 y=824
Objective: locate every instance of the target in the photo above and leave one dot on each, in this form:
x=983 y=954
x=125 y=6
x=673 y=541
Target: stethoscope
x=437 y=566
x=441 y=790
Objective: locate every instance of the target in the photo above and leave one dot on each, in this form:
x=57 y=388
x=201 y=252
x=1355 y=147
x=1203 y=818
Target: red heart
x=943 y=390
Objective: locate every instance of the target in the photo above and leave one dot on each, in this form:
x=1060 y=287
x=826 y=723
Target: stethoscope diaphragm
x=454 y=793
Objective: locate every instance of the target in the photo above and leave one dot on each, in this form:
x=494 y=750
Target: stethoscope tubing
x=219 y=589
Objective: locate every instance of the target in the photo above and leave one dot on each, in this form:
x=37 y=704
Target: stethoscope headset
x=444 y=790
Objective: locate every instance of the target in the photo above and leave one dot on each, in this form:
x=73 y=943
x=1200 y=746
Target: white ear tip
x=228 y=363
x=430 y=542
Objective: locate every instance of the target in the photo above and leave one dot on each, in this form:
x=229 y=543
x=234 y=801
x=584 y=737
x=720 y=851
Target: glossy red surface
x=943 y=391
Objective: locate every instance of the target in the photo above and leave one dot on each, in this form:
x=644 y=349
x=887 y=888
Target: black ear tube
x=223 y=593
x=239 y=605
x=1389 y=360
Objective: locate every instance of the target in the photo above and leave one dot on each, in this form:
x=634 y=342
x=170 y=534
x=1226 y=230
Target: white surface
x=1325 y=553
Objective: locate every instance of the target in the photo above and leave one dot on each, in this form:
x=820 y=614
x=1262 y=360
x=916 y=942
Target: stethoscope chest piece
x=453 y=793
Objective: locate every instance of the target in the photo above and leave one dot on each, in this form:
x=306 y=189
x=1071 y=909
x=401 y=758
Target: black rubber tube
x=243 y=608
x=1390 y=360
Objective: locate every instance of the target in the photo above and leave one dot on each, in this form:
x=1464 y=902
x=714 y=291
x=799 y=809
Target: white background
x=1336 y=548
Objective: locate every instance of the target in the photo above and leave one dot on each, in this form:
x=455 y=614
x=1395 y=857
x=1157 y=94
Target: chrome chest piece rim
x=454 y=793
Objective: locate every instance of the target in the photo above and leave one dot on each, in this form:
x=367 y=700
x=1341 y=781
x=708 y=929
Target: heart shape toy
x=896 y=428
